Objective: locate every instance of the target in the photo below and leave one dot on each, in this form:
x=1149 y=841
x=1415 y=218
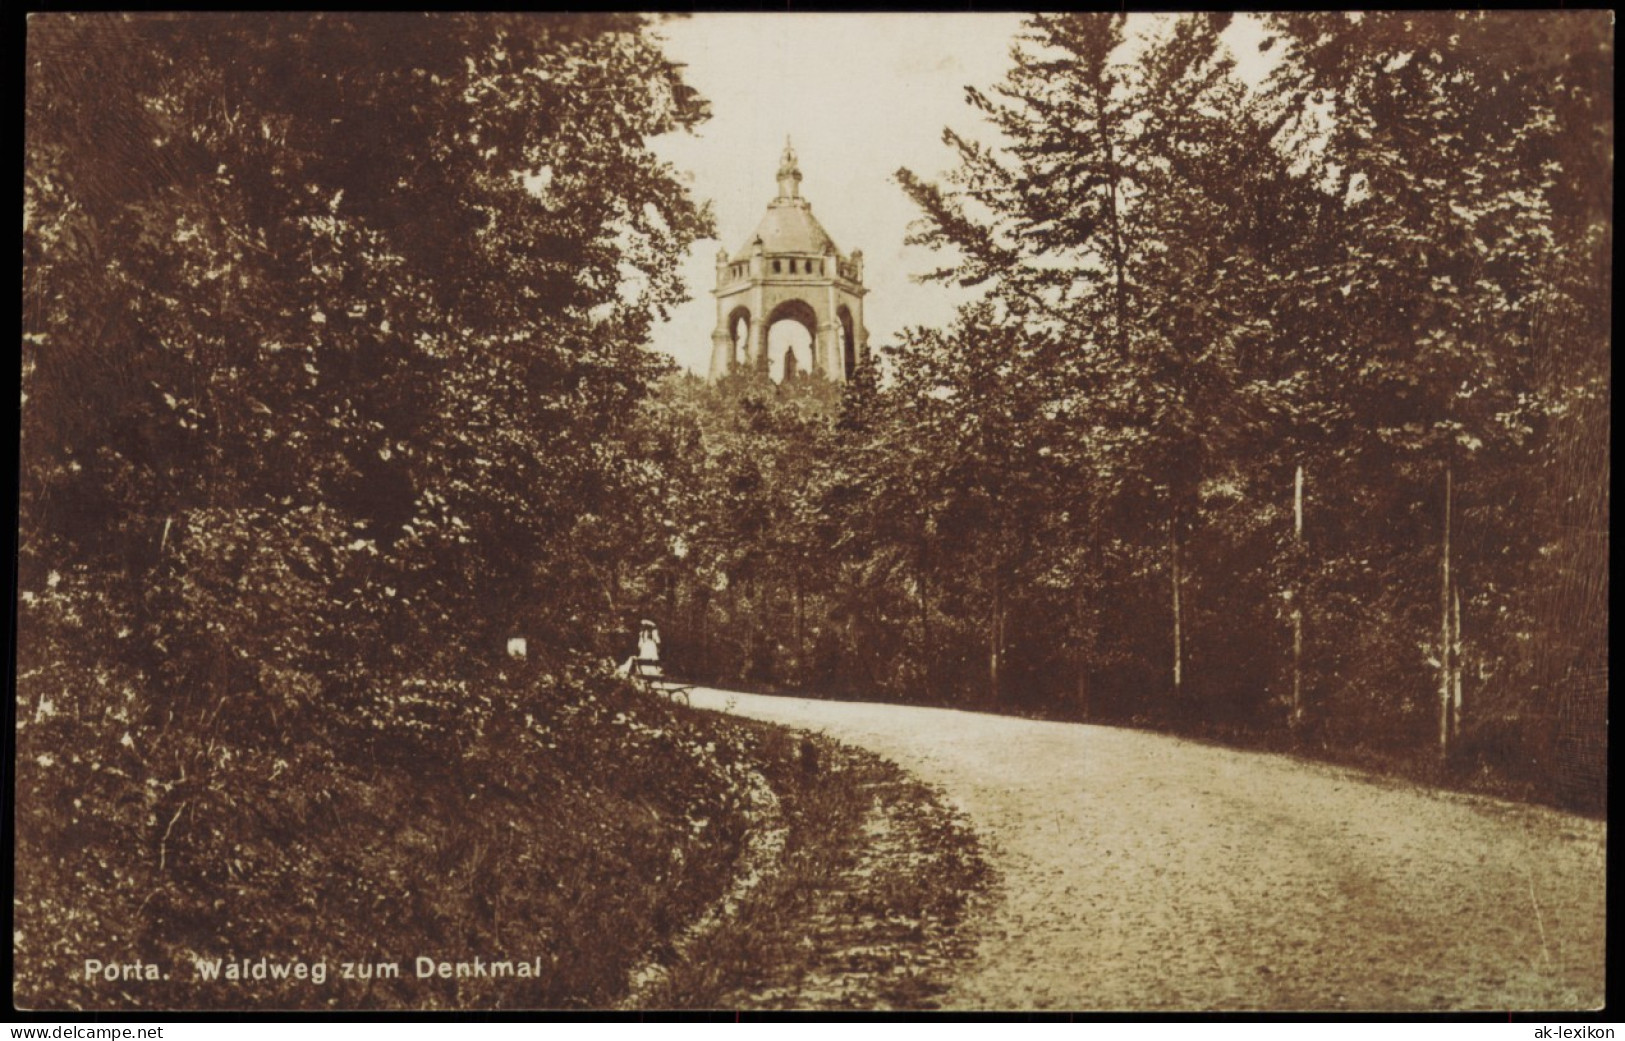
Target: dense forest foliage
x=1280 y=413
x=333 y=327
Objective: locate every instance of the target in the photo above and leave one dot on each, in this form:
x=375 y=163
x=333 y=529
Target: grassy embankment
x=518 y=817
x=512 y=818
x=862 y=906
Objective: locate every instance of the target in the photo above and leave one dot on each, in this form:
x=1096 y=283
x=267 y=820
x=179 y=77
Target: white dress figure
x=647 y=660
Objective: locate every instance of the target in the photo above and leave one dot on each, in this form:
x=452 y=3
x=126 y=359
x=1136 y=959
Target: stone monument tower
x=789 y=270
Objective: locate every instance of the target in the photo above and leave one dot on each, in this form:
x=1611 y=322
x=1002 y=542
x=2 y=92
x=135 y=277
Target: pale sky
x=860 y=95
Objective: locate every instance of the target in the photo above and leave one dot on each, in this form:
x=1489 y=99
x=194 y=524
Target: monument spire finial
x=789 y=172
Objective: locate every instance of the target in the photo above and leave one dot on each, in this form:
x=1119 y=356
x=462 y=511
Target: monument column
x=827 y=350
x=720 y=340
x=830 y=345
x=721 y=352
x=756 y=341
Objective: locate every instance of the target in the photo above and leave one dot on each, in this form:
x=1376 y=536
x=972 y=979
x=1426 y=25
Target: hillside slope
x=561 y=822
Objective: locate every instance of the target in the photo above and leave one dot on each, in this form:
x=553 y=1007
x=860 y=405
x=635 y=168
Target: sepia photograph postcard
x=883 y=513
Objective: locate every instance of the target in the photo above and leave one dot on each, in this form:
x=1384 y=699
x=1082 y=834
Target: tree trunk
x=1119 y=257
x=1444 y=626
x=926 y=657
x=998 y=691
x=1455 y=693
x=995 y=635
x=1179 y=651
x=700 y=608
x=1081 y=651
x=733 y=647
x=1297 y=600
x=801 y=620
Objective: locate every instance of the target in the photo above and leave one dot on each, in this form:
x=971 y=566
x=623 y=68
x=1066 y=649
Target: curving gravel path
x=1145 y=872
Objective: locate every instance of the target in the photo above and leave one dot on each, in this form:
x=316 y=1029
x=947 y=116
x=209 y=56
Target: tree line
x=325 y=343
x=1278 y=411
x=334 y=329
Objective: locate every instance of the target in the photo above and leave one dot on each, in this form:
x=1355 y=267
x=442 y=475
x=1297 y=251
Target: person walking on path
x=647 y=661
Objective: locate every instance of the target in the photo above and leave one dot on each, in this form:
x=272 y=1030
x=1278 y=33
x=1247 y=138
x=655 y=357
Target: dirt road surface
x=1143 y=872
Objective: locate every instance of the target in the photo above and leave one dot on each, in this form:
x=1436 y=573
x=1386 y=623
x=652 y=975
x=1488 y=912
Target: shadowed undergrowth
x=562 y=822
x=863 y=909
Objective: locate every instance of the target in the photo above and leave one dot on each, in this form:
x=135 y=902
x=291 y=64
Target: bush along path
x=557 y=820
x=759 y=858
x=860 y=907
x=606 y=847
